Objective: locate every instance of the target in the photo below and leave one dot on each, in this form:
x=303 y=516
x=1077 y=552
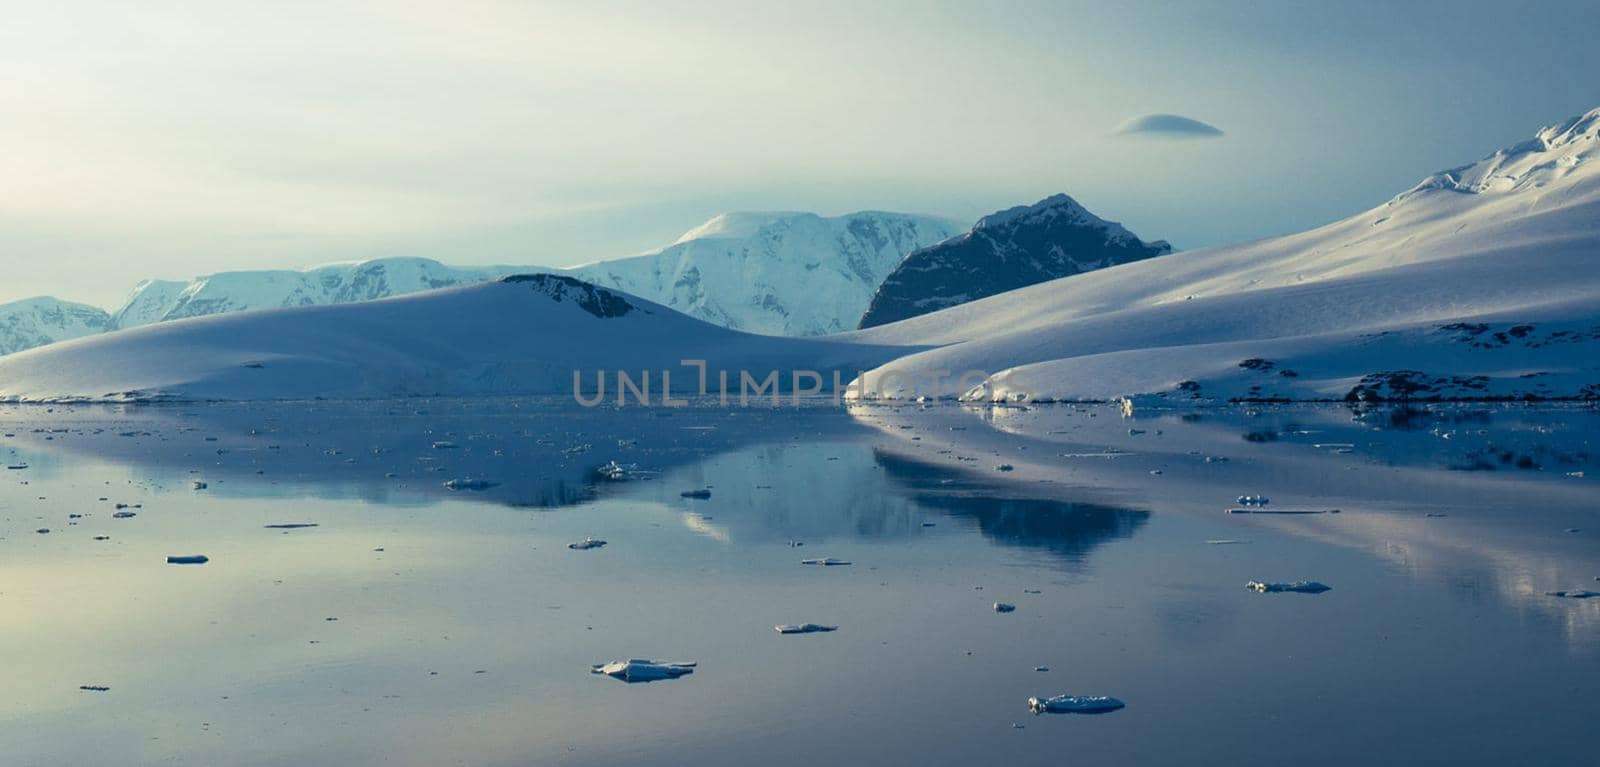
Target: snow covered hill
x=1481 y=281
x=792 y=274
x=44 y=320
x=1014 y=248
x=523 y=334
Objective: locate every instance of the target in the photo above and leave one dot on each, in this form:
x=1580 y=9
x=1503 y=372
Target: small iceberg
x=469 y=484
x=1075 y=704
x=190 y=559
x=1298 y=587
x=586 y=544
x=804 y=628
x=613 y=471
x=824 y=562
x=640 y=670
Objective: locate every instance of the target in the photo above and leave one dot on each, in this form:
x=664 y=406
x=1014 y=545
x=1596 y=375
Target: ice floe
x=1298 y=587
x=1074 y=704
x=641 y=670
x=1259 y=510
x=469 y=484
x=1574 y=593
x=804 y=628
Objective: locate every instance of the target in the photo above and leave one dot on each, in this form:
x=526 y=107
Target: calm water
x=418 y=625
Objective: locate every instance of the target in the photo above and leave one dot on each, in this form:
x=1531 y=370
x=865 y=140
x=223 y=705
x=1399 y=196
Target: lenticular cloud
x=1167 y=126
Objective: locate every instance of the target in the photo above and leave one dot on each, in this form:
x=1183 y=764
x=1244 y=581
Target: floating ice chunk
x=1002 y=607
x=1074 y=704
x=469 y=484
x=804 y=628
x=1299 y=587
x=1257 y=510
x=189 y=559
x=587 y=543
x=1574 y=594
x=825 y=562
x=700 y=494
x=640 y=670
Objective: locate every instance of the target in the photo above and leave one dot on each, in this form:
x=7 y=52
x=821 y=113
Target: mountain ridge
x=1009 y=249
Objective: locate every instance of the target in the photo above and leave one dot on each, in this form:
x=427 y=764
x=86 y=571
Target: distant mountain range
x=1478 y=283
x=44 y=320
x=1055 y=237
x=793 y=274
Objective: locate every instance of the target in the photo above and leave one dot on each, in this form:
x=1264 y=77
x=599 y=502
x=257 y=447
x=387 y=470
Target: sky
x=168 y=140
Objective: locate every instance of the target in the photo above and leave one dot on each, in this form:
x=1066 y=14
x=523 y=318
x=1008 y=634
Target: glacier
x=1477 y=283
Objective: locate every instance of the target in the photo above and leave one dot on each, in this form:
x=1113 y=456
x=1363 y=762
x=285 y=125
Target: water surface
x=418 y=625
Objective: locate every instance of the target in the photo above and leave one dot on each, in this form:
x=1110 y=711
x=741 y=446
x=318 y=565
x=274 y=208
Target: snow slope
x=523 y=334
x=792 y=274
x=1054 y=237
x=1481 y=281
x=44 y=320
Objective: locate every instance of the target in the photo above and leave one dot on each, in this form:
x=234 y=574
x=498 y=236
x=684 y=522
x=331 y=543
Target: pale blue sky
x=172 y=139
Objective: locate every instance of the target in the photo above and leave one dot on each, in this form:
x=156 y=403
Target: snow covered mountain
x=792 y=274
x=1014 y=248
x=1480 y=282
x=162 y=300
x=523 y=334
x=774 y=273
x=44 y=320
